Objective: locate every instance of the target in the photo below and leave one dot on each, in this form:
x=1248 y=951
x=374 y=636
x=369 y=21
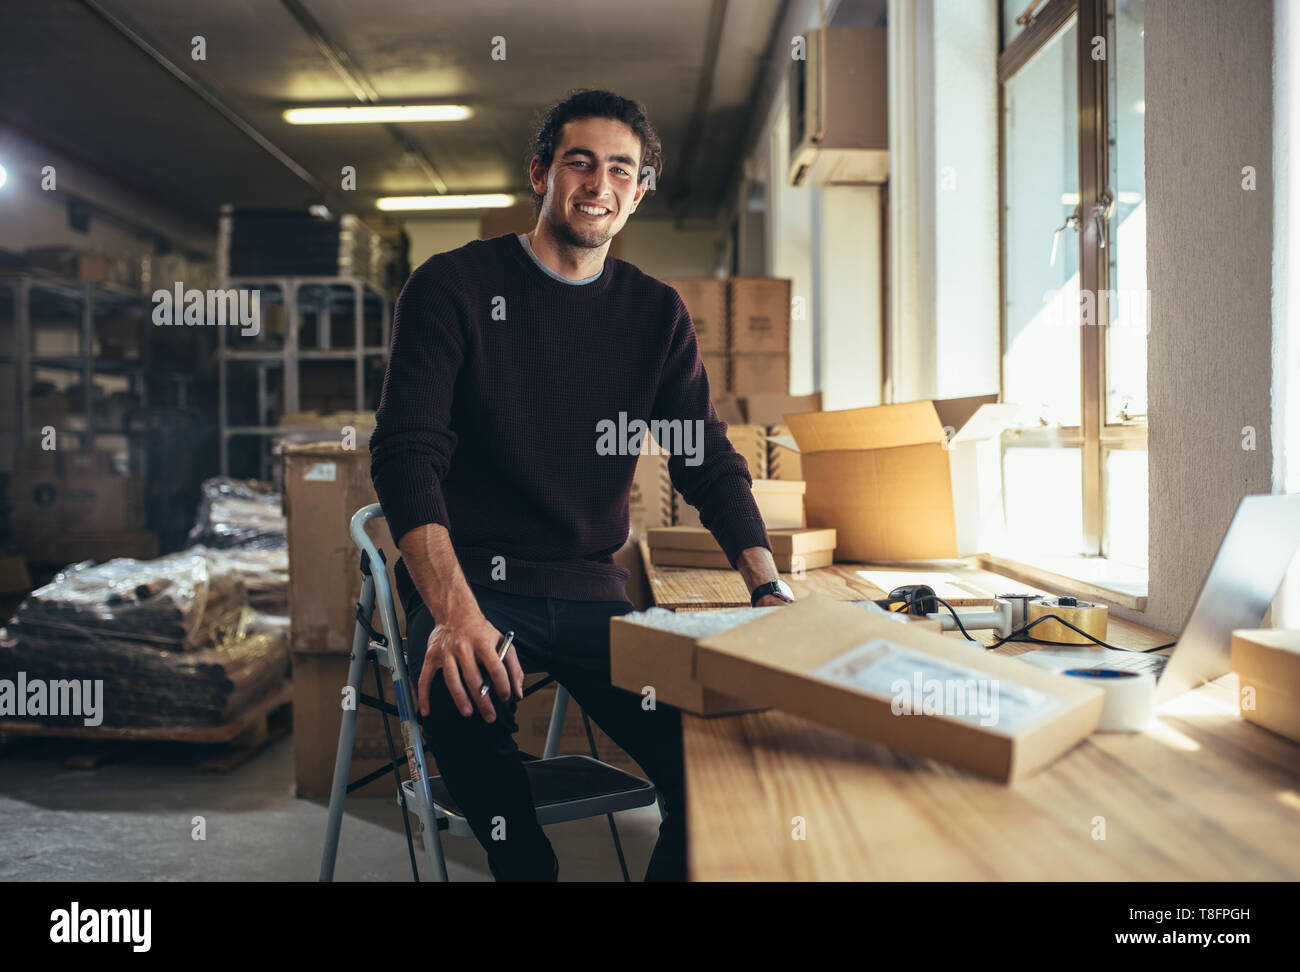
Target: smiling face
x=591 y=187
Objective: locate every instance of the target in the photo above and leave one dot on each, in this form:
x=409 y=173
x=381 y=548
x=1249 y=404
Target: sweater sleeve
x=704 y=467
x=411 y=447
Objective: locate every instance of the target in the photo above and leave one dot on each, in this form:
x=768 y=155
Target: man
x=512 y=359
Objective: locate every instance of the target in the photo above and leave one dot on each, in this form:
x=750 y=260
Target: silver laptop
x=1259 y=546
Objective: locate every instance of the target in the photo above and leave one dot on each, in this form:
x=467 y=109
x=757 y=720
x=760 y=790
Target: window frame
x=1094 y=436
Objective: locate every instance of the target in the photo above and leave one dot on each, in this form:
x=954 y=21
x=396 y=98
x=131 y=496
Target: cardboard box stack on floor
x=70 y=506
x=324 y=485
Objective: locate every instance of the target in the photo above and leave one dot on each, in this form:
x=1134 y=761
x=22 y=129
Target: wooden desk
x=1202 y=796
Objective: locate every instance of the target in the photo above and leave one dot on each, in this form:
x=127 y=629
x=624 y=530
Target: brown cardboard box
x=780 y=502
x=728 y=407
x=760 y=316
x=880 y=476
x=754 y=372
x=324 y=485
x=642 y=656
x=706 y=301
x=718 y=372
x=1267 y=665
x=651 y=502
x=751 y=442
x=782 y=462
x=794 y=550
x=68 y=262
x=318 y=683
x=902 y=686
x=770 y=408
x=102 y=503
x=75 y=503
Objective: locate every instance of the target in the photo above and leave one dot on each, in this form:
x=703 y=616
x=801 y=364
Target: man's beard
x=569 y=236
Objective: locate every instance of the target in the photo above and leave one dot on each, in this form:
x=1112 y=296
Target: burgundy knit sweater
x=490 y=422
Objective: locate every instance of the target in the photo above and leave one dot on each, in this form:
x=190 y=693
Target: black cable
x=1017 y=633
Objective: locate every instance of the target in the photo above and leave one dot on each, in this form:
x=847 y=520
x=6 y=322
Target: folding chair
x=564 y=787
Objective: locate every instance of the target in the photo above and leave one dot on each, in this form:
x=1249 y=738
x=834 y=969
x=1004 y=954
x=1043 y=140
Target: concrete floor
x=131 y=819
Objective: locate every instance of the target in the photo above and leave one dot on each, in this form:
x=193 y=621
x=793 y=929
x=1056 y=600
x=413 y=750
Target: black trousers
x=480 y=763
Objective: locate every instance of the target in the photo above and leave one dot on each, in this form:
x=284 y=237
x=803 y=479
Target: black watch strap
x=762 y=590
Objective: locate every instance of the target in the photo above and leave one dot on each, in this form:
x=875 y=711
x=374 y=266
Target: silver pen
x=501 y=656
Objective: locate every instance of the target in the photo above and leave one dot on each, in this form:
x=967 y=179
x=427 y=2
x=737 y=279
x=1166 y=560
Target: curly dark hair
x=596 y=103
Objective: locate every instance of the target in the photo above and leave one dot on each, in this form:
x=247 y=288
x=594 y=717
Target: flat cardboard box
x=1267 y=662
x=324 y=484
x=717 y=369
x=771 y=408
x=852 y=670
x=642 y=656
x=706 y=301
x=755 y=372
x=780 y=503
x=794 y=550
x=716 y=559
x=760 y=316
x=881 y=477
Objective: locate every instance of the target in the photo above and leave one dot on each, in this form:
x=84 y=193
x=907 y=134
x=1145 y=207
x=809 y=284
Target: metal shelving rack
x=16 y=349
x=296 y=296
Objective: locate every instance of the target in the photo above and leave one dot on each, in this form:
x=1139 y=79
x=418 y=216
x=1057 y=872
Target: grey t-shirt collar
x=527 y=244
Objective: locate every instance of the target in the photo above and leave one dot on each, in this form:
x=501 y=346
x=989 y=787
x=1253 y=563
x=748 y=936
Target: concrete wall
x=1209 y=266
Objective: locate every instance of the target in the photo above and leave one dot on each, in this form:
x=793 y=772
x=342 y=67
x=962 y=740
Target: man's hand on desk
x=757 y=567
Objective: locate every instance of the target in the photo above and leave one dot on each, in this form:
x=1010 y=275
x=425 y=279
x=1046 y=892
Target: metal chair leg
x=347 y=736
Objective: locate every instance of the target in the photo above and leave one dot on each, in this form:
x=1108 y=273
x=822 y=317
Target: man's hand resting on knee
x=458 y=648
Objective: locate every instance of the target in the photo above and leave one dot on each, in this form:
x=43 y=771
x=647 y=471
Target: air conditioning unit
x=839 y=108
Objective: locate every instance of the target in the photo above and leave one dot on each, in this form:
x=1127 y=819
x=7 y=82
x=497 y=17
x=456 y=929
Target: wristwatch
x=778 y=587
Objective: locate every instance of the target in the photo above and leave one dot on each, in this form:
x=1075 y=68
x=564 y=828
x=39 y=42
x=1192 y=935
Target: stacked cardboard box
x=794 y=549
x=759 y=331
x=70 y=506
x=1267 y=665
x=706 y=302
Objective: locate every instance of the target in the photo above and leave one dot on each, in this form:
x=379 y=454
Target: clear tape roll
x=1089 y=617
x=1130 y=697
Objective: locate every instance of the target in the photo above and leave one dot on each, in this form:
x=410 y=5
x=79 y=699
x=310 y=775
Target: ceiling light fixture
x=371 y=114
x=488 y=200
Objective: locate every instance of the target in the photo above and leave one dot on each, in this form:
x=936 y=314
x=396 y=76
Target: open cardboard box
x=914 y=481
x=850 y=669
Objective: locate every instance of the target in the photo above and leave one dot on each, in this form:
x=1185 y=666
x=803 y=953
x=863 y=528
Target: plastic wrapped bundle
x=177 y=602
x=243 y=514
x=264 y=573
x=147 y=686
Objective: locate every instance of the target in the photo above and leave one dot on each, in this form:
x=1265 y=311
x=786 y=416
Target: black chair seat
x=569 y=788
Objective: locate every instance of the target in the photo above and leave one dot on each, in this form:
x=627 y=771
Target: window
x=1074 y=299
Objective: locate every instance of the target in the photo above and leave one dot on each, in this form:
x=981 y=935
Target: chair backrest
x=378 y=570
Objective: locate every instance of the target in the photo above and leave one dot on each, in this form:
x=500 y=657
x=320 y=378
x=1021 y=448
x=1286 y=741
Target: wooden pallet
x=265 y=720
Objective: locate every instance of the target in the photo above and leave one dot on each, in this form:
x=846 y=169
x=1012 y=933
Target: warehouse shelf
x=305 y=324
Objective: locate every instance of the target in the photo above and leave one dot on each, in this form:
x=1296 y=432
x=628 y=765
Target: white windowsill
x=1094 y=578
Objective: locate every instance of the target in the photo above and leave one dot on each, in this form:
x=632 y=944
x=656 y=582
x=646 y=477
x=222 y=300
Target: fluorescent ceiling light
x=376 y=113
x=488 y=200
